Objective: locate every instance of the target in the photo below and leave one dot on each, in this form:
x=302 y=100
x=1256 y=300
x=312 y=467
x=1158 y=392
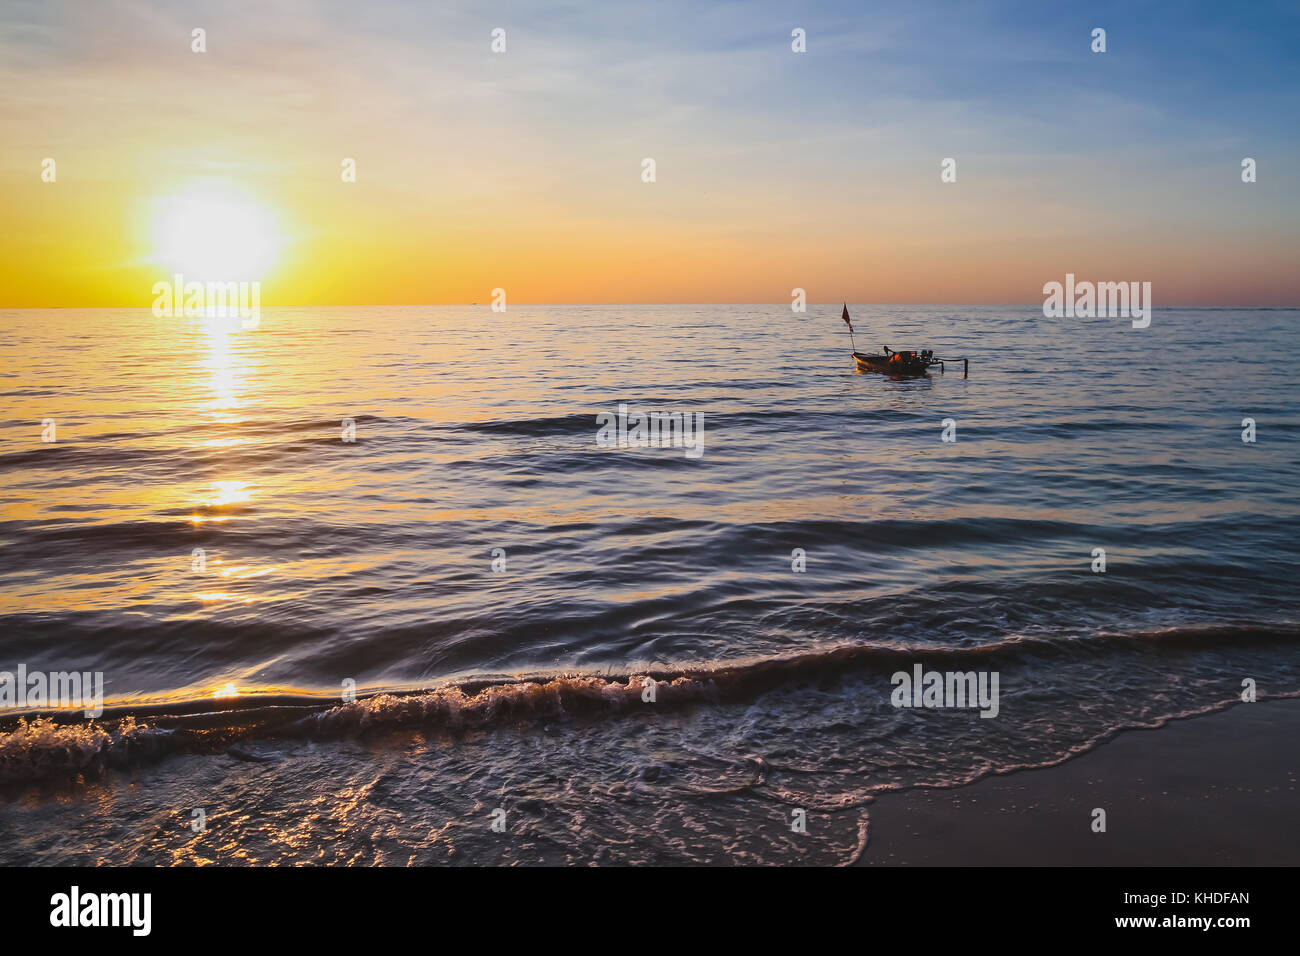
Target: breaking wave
x=37 y=747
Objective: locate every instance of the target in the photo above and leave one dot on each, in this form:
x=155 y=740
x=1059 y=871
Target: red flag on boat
x=846 y=317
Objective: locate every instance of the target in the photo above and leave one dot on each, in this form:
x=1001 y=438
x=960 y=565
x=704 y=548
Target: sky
x=523 y=170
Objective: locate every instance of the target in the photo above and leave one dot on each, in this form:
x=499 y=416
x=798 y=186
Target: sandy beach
x=1218 y=790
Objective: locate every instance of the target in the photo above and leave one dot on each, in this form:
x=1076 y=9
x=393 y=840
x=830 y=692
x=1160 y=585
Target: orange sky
x=523 y=170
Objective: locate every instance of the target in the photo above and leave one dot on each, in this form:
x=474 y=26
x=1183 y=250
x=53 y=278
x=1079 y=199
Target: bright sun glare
x=214 y=234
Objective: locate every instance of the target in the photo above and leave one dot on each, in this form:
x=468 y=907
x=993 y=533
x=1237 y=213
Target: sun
x=213 y=233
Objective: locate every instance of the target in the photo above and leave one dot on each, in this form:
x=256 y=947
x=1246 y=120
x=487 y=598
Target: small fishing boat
x=904 y=364
x=909 y=364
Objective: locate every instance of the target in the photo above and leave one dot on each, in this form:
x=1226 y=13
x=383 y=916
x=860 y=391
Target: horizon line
x=488 y=305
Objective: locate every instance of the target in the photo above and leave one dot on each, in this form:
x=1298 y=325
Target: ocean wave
x=43 y=748
x=38 y=747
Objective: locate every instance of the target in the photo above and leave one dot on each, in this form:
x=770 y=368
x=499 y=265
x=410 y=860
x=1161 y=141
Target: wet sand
x=1219 y=790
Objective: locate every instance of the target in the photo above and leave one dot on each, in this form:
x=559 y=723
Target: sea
x=370 y=585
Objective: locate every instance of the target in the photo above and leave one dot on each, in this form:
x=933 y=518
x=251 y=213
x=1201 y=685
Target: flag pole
x=850 y=325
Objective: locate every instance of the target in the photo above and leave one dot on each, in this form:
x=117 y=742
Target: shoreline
x=1214 y=790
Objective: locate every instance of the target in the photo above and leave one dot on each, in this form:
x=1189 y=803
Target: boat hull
x=906 y=367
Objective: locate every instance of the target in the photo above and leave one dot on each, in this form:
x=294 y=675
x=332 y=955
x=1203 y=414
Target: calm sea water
x=327 y=561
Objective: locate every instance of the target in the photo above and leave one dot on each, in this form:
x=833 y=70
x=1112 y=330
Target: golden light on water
x=222 y=362
x=222 y=494
x=227 y=493
x=243 y=571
